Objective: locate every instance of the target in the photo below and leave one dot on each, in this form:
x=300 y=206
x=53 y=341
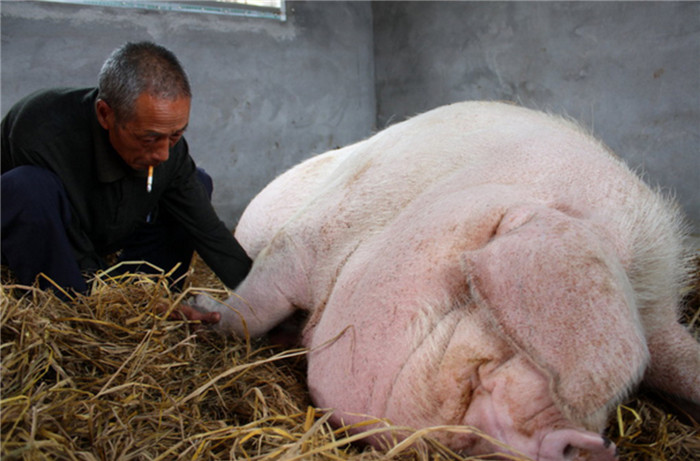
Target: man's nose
x=161 y=153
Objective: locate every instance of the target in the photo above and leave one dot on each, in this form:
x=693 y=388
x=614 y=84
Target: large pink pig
x=480 y=264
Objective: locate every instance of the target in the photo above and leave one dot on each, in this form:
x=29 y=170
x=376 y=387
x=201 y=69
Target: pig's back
x=482 y=143
x=333 y=202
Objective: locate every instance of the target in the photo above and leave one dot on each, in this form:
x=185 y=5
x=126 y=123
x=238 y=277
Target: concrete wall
x=630 y=71
x=269 y=94
x=266 y=94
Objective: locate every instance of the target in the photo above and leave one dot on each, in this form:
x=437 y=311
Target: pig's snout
x=575 y=445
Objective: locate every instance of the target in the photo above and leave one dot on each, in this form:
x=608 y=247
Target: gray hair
x=135 y=68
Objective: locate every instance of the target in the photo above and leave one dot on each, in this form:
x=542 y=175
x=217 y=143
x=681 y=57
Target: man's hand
x=189 y=312
x=192 y=313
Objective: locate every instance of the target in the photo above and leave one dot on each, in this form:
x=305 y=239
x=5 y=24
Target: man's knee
x=33 y=193
x=35 y=210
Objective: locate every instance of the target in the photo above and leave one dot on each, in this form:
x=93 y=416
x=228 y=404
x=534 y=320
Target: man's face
x=146 y=138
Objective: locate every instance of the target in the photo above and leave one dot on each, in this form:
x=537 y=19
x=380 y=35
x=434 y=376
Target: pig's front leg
x=241 y=318
x=270 y=293
x=675 y=365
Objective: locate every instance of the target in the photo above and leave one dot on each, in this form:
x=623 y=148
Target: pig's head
x=554 y=289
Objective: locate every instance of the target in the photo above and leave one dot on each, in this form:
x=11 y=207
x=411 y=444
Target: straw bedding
x=109 y=376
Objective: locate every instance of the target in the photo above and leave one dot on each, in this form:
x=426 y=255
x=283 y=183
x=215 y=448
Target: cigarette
x=149 y=181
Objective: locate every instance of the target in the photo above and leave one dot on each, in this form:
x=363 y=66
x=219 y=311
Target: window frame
x=228 y=8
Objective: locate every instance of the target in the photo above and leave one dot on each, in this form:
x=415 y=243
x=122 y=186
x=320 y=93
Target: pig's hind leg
x=675 y=365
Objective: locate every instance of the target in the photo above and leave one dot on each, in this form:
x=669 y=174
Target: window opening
x=267 y=9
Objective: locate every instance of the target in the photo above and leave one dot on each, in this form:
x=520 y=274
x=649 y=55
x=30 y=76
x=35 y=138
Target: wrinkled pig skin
x=482 y=265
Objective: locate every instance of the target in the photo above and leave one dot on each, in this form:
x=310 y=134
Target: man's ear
x=105 y=114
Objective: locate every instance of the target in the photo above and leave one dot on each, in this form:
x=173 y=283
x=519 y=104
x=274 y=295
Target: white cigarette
x=149 y=181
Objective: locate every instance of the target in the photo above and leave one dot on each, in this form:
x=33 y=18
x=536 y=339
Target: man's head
x=144 y=102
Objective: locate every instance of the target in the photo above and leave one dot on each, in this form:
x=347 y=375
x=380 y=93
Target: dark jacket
x=58 y=130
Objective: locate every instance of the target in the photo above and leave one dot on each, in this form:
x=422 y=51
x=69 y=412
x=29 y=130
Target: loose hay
x=108 y=377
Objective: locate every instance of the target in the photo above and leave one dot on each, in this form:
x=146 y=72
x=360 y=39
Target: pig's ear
x=557 y=293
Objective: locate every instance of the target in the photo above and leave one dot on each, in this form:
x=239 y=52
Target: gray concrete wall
x=630 y=71
x=266 y=94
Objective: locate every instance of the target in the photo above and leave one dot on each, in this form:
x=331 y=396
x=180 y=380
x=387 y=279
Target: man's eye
x=151 y=139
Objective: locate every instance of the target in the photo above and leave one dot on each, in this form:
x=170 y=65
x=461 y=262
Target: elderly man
x=75 y=186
